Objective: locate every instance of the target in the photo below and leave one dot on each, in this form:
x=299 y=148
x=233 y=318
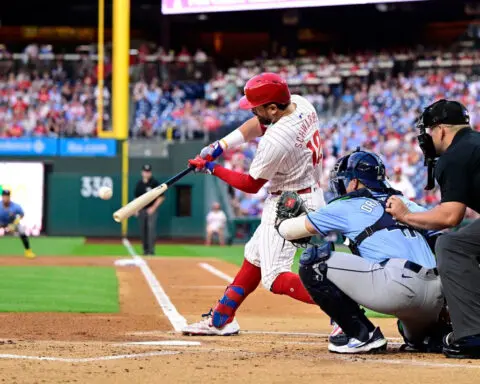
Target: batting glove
x=212 y=151
x=202 y=165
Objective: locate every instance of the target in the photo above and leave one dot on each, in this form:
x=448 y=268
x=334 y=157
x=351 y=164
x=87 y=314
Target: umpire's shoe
x=464 y=348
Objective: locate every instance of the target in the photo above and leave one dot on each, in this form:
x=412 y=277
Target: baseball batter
x=10 y=215
x=289 y=156
x=392 y=270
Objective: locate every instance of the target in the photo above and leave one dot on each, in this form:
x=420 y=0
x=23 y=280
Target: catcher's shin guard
x=224 y=311
x=335 y=303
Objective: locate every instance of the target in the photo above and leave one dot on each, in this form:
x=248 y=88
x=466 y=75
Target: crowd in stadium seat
x=376 y=112
x=46 y=97
x=368 y=100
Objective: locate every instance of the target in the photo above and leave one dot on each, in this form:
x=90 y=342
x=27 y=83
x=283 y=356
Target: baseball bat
x=135 y=205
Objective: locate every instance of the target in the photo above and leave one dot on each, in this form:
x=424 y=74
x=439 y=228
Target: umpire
x=445 y=134
x=147 y=217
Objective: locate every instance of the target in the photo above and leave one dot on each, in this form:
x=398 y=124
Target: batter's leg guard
x=224 y=311
x=336 y=304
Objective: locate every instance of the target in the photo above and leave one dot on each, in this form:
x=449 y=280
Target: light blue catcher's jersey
x=351 y=216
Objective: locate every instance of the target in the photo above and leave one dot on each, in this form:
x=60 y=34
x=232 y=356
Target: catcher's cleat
x=205 y=327
x=337 y=336
x=29 y=254
x=376 y=343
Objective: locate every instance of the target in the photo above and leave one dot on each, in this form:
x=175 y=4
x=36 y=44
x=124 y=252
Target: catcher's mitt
x=289 y=206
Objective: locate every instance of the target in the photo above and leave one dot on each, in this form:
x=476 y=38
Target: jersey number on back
x=316 y=148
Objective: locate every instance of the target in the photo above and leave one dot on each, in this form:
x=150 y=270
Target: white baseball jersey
x=216 y=220
x=290 y=156
x=404 y=186
x=290 y=152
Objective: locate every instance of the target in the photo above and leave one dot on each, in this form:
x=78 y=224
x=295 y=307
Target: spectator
x=401 y=183
x=216 y=221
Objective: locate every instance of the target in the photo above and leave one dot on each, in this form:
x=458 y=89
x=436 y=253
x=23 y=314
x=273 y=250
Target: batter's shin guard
x=224 y=311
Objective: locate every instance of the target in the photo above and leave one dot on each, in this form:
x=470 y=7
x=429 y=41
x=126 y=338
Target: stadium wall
x=72 y=206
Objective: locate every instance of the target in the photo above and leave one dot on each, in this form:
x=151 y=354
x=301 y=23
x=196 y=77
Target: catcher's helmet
x=365 y=166
x=263 y=89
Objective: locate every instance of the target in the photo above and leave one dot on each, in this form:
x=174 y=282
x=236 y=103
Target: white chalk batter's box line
x=356 y=359
x=88 y=359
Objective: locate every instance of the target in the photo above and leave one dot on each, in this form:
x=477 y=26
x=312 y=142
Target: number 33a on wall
x=91 y=185
x=315 y=146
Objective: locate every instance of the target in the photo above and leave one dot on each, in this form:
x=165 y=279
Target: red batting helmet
x=263 y=89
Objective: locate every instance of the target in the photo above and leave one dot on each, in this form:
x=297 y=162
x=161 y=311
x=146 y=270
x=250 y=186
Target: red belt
x=300 y=192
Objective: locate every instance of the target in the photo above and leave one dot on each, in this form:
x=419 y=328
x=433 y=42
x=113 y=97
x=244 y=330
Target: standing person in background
x=401 y=183
x=10 y=215
x=147 y=216
x=216 y=220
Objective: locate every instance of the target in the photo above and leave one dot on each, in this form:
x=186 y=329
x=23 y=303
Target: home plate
x=169 y=343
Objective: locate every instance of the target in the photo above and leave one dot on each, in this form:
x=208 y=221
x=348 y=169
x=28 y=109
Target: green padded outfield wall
x=72 y=206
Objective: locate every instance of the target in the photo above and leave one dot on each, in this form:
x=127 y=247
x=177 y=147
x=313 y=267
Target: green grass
x=60 y=246
x=58 y=289
x=76 y=246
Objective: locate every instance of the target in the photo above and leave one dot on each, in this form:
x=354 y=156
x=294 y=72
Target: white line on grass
x=216 y=272
x=88 y=359
x=177 y=320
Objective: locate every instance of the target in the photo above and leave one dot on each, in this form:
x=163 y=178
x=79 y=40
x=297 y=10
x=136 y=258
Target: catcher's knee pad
x=341 y=308
x=224 y=311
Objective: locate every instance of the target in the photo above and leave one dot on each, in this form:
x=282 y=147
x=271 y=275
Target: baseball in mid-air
x=105 y=193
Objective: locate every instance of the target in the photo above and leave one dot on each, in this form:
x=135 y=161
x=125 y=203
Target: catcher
x=10 y=216
x=392 y=269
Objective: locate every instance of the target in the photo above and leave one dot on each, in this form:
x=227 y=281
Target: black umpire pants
x=458 y=257
x=148 y=231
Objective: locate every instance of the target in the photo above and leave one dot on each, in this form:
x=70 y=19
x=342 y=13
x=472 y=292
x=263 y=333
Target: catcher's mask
x=365 y=166
x=441 y=112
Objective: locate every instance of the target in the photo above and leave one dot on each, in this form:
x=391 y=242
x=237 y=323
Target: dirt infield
x=283 y=341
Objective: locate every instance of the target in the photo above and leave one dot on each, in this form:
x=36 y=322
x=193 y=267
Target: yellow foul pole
x=121 y=48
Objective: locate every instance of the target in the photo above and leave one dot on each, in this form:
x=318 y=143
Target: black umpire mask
x=441 y=112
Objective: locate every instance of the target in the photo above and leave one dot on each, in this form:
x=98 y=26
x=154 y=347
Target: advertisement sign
x=88 y=147
x=172 y=7
x=25 y=181
x=28 y=147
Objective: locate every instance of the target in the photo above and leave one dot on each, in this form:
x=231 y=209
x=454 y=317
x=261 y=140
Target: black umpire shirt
x=458 y=170
x=142 y=187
